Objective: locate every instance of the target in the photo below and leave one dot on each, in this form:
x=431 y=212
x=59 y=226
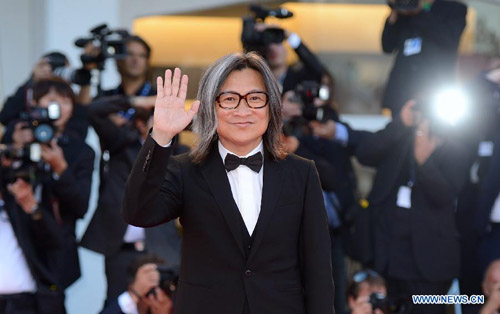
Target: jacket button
x=248 y=273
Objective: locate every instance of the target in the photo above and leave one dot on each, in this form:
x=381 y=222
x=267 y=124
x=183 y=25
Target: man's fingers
x=183 y=87
x=167 y=88
x=194 y=108
x=176 y=81
x=159 y=87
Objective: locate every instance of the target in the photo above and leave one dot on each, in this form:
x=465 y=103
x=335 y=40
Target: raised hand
x=170 y=116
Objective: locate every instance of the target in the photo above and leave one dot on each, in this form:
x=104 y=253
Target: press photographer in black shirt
x=58 y=165
x=424 y=35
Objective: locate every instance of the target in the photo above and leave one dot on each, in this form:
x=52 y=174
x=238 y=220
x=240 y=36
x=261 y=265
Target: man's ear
x=351 y=301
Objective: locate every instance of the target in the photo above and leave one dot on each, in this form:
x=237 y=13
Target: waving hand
x=170 y=116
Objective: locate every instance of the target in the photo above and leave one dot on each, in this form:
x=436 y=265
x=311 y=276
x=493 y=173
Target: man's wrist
x=161 y=138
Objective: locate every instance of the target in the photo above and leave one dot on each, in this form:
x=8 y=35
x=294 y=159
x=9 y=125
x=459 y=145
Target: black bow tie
x=253 y=162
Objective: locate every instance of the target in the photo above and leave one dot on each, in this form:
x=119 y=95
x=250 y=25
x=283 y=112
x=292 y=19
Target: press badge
x=413 y=46
x=485 y=149
x=404 y=197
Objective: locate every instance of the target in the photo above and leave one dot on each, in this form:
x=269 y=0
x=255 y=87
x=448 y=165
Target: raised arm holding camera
x=267 y=40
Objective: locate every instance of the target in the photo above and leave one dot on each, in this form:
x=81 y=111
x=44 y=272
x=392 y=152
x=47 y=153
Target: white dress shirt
x=495 y=212
x=15 y=276
x=246 y=187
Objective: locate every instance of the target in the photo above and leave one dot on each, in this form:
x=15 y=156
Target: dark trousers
x=29 y=303
x=116 y=270
x=402 y=291
x=339 y=272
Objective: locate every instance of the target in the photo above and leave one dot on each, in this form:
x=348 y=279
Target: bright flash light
x=451 y=105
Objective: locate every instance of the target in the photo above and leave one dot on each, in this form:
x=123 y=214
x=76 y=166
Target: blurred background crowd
x=398 y=104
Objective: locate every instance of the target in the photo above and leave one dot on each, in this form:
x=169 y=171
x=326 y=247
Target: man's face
x=243 y=126
x=65 y=105
x=276 y=55
x=364 y=293
x=135 y=65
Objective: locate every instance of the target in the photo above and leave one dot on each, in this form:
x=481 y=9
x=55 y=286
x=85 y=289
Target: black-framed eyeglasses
x=364 y=275
x=231 y=100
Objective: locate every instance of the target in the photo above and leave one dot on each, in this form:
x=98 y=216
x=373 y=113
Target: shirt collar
x=224 y=151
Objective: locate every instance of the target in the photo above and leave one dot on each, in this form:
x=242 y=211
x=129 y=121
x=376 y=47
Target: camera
x=307 y=91
x=57 y=62
x=168 y=280
x=304 y=94
x=447 y=110
x=258 y=41
x=404 y=5
x=41 y=121
x=112 y=44
x=381 y=302
x=25 y=163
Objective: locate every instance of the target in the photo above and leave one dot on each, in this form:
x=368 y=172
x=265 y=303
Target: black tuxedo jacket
x=434 y=235
x=287 y=268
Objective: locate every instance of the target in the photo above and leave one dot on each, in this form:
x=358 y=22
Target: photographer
x=267 y=40
x=478 y=211
x=122 y=119
x=51 y=65
x=367 y=293
x=312 y=130
x=62 y=178
x=491 y=289
x=148 y=290
x=425 y=35
x=420 y=172
x=27 y=232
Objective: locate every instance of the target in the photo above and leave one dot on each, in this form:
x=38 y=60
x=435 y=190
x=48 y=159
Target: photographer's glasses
x=231 y=100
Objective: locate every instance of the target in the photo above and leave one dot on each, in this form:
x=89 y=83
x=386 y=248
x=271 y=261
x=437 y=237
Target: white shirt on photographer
x=15 y=275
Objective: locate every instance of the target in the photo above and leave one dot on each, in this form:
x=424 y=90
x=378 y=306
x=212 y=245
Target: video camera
x=41 y=121
x=112 y=44
x=258 y=41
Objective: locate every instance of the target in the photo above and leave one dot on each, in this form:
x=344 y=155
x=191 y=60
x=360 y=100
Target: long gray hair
x=205 y=122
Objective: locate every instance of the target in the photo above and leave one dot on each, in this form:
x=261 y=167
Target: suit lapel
x=271 y=192
x=215 y=174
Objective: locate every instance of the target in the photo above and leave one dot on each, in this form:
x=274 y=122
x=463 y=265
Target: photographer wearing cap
x=151 y=289
x=420 y=171
x=424 y=35
x=122 y=118
x=51 y=65
x=57 y=164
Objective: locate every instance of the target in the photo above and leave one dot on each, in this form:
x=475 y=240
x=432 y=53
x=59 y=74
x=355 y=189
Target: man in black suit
x=255 y=234
x=28 y=232
x=121 y=119
x=64 y=173
x=478 y=212
x=419 y=176
x=425 y=43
